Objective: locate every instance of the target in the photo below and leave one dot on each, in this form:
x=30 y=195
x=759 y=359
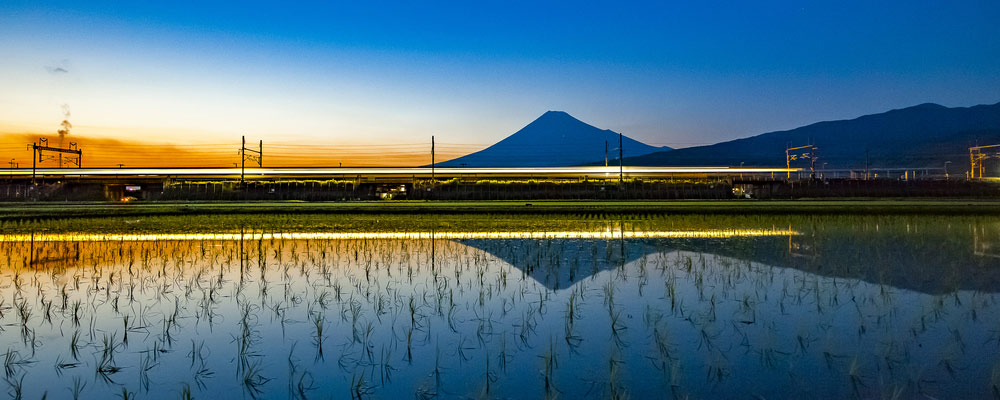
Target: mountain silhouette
x=555 y=139
x=926 y=135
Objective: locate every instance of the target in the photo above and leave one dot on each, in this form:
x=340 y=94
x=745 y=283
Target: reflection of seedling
x=146 y=364
x=615 y=390
x=549 y=364
x=253 y=380
x=385 y=369
x=16 y=387
x=318 y=323
x=995 y=381
x=13 y=361
x=126 y=395
x=106 y=367
x=77 y=387
x=718 y=369
x=360 y=388
x=854 y=374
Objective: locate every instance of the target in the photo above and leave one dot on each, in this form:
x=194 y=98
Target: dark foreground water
x=505 y=307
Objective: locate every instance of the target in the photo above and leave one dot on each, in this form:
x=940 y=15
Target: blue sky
x=667 y=73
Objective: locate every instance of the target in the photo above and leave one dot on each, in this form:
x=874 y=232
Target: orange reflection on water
x=605 y=234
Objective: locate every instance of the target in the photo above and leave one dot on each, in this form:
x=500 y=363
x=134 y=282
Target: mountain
x=555 y=139
x=926 y=135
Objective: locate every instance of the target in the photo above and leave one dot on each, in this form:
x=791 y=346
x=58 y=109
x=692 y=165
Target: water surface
x=507 y=307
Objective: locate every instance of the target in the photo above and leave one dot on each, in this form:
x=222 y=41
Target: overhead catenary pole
x=789 y=157
x=432 y=161
x=812 y=162
x=866 y=163
x=972 y=165
x=243 y=157
x=976 y=160
x=788 y=164
x=621 y=162
x=43 y=145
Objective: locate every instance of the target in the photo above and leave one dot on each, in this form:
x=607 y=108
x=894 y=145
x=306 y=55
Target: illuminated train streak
x=605 y=234
x=414 y=172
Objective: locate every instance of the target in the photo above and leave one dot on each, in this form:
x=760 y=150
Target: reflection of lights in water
x=984 y=243
x=607 y=234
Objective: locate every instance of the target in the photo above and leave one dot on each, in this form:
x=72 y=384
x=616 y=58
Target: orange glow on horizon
x=109 y=153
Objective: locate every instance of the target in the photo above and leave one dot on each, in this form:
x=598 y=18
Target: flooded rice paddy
x=597 y=306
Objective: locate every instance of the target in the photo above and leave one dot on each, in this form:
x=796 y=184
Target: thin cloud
x=58 y=67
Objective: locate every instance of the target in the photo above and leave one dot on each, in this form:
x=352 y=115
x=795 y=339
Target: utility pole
x=432 y=160
x=243 y=157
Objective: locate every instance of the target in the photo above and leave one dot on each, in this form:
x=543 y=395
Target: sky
x=371 y=82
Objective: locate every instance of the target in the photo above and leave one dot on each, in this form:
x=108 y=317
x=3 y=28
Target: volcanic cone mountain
x=555 y=139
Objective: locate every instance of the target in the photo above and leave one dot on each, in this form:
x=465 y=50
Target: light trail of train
x=257 y=173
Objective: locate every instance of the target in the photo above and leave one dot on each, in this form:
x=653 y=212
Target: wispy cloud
x=58 y=67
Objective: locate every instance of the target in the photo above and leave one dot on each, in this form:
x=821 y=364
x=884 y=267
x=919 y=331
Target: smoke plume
x=66 y=126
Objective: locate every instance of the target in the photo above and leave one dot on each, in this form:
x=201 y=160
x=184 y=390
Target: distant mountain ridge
x=555 y=139
x=925 y=135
